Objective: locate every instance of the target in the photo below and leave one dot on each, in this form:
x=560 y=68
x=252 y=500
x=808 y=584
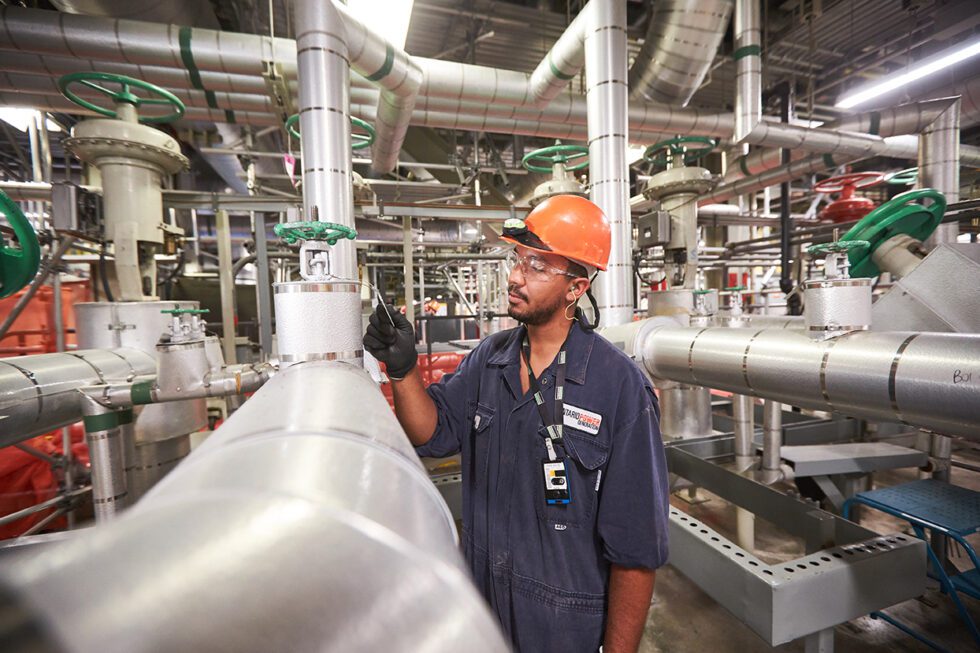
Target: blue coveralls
x=543 y=568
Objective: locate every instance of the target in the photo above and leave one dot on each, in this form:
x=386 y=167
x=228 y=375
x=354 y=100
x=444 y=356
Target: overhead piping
x=681 y=43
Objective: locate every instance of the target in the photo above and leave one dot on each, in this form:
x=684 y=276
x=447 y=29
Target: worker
x=565 y=496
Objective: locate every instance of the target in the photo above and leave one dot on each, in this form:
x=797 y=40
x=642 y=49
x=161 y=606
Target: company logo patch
x=560 y=527
x=583 y=420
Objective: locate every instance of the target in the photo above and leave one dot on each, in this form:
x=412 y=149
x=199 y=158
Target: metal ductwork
x=40 y=393
x=681 y=43
x=305 y=523
x=911 y=378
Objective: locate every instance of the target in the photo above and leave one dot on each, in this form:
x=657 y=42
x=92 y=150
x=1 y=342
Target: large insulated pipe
x=681 y=43
x=399 y=78
x=564 y=60
x=909 y=118
x=606 y=95
x=921 y=379
x=748 y=68
x=939 y=165
x=40 y=393
x=322 y=63
x=305 y=523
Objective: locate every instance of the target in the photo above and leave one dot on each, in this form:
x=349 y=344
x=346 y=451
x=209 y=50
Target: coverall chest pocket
x=480 y=441
x=585 y=457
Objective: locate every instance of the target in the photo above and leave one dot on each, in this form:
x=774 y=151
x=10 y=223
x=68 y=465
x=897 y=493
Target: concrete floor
x=684 y=619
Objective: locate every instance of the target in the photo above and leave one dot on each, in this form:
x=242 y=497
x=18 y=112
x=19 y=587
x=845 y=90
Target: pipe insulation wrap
x=318 y=321
x=306 y=522
x=39 y=393
x=681 y=43
x=606 y=97
x=927 y=380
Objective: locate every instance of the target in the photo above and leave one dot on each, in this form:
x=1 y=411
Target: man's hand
x=392 y=344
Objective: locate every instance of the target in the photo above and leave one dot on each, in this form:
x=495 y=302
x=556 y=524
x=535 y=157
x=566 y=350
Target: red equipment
x=848 y=208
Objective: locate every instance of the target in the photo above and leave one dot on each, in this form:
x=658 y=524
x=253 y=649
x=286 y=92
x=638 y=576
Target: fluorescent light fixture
x=924 y=68
x=388 y=18
x=20 y=118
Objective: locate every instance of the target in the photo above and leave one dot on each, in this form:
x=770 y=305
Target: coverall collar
x=578 y=347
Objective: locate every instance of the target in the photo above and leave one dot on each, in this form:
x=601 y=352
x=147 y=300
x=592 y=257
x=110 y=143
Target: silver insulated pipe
x=606 y=97
x=681 y=43
x=324 y=93
x=939 y=164
x=40 y=393
x=305 y=523
x=920 y=379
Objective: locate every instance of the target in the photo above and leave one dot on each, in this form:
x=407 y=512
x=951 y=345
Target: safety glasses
x=534 y=268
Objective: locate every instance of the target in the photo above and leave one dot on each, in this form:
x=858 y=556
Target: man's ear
x=578 y=287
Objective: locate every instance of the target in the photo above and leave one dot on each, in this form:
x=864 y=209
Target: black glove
x=393 y=345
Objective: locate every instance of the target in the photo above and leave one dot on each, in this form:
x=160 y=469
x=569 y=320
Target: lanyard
x=552 y=423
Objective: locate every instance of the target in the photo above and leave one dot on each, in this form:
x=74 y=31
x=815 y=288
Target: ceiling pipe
x=681 y=43
x=905 y=119
x=564 y=60
x=607 y=97
x=397 y=75
x=750 y=128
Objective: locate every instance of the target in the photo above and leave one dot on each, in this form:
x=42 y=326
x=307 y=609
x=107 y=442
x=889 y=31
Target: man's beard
x=534 y=316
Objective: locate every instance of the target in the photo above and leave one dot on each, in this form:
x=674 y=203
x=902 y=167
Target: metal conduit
x=681 y=43
x=39 y=393
x=304 y=516
x=606 y=95
x=913 y=378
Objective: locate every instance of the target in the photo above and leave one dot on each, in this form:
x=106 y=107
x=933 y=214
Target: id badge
x=556 y=490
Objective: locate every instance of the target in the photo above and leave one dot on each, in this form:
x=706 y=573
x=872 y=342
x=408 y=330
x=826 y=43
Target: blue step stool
x=941 y=508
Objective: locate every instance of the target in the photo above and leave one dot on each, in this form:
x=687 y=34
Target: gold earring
x=573 y=312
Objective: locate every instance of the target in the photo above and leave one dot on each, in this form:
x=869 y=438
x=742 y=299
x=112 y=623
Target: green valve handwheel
x=358 y=141
x=903 y=214
x=292 y=232
x=839 y=246
x=565 y=154
x=906 y=177
x=124 y=94
x=657 y=153
x=18 y=265
x=185 y=311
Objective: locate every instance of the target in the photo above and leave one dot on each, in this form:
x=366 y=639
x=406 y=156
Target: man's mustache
x=513 y=290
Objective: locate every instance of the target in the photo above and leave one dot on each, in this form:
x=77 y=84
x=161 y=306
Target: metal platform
x=955 y=509
x=850 y=458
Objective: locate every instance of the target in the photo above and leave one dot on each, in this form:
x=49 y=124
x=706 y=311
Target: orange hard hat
x=566 y=225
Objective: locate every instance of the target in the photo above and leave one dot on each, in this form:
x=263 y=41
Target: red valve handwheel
x=848 y=207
